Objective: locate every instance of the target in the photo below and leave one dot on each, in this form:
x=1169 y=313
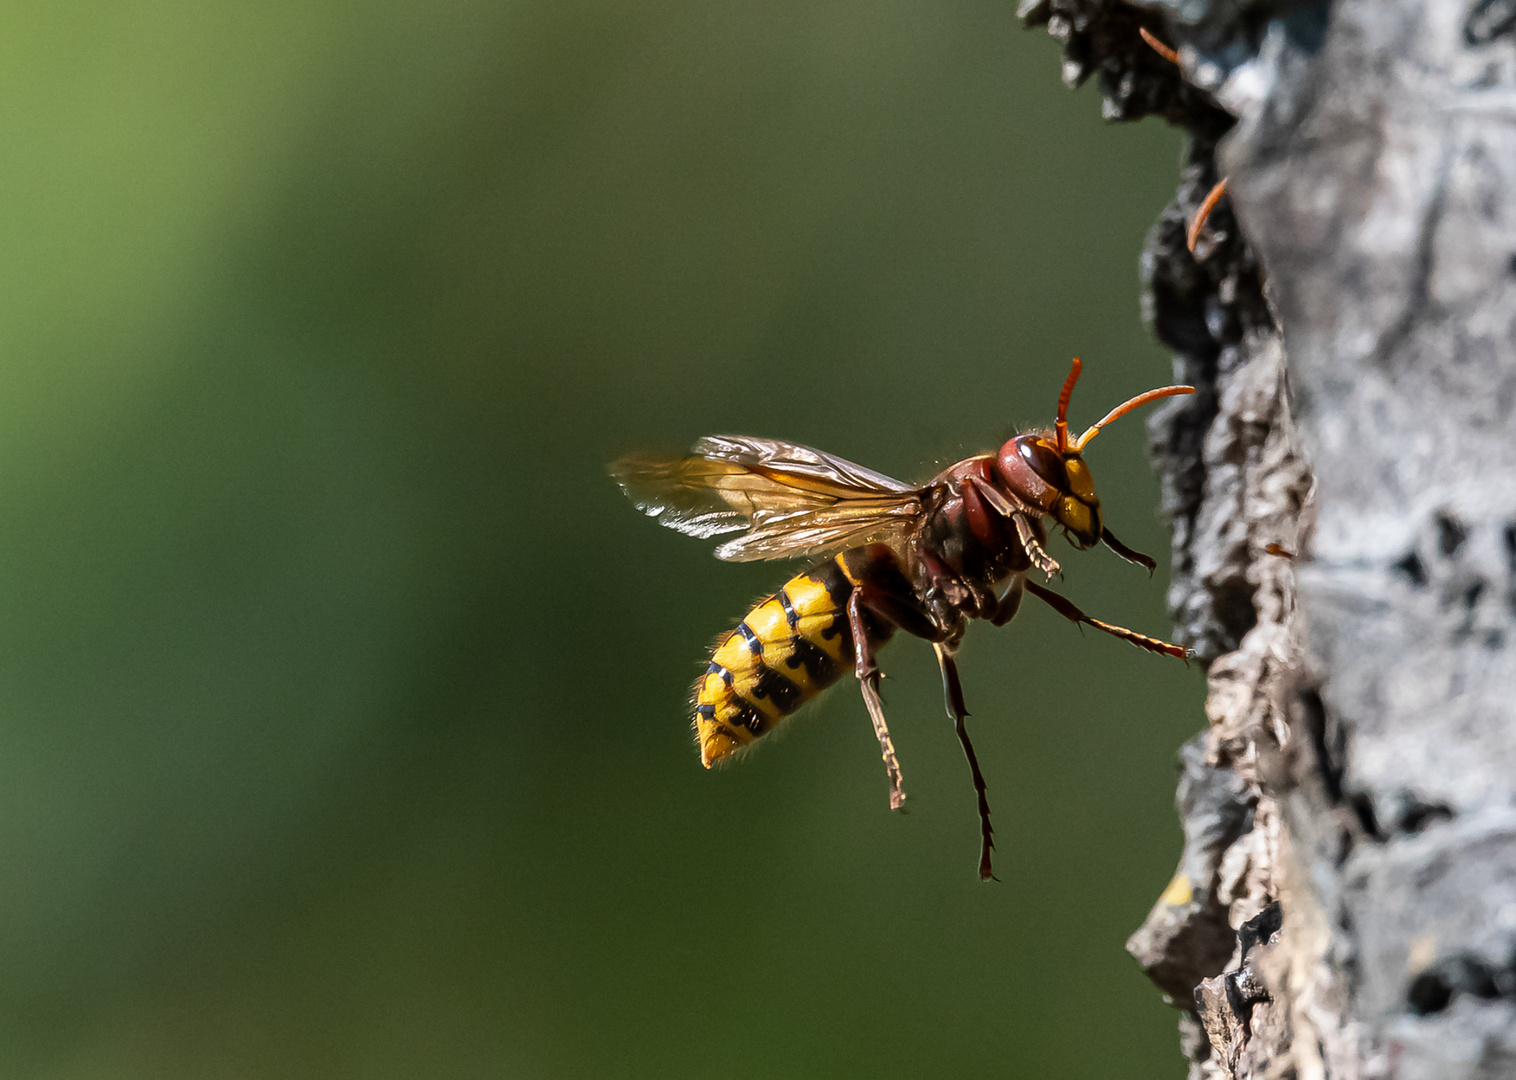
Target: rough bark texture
x=1345 y=905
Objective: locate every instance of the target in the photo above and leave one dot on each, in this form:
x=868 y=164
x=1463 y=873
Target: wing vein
x=785 y=499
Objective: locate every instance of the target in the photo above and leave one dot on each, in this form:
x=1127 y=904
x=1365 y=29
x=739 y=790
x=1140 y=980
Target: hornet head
x=1049 y=472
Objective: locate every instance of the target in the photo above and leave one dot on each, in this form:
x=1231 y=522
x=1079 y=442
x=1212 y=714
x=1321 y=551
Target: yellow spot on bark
x=1179 y=892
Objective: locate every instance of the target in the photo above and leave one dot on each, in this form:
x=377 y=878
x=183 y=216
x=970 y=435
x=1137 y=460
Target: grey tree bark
x=1345 y=905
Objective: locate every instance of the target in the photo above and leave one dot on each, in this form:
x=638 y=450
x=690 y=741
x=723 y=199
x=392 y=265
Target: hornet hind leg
x=897 y=610
x=952 y=691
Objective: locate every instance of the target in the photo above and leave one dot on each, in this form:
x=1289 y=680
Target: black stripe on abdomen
x=819 y=668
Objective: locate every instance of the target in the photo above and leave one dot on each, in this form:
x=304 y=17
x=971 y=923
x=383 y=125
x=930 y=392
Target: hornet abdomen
x=786 y=650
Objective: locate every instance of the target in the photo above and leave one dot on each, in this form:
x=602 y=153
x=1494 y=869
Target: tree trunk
x=1343 y=496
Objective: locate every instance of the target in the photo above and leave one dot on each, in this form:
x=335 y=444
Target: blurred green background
x=343 y=724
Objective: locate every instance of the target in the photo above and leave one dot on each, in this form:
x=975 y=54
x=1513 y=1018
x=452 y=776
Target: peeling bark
x=1343 y=496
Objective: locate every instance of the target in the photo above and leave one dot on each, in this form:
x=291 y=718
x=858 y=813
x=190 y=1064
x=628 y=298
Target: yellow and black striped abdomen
x=789 y=648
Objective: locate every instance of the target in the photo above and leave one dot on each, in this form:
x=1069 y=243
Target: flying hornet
x=923 y=559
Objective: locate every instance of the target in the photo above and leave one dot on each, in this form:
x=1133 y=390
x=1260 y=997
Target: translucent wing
x=786 y=500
